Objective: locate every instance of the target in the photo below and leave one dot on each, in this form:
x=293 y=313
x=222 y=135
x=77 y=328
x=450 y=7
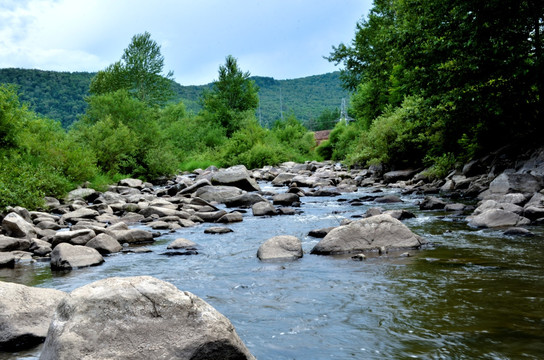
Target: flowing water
x=470 y=294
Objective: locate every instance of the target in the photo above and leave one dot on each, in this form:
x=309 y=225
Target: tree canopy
x=140 y=72
x=232 y=94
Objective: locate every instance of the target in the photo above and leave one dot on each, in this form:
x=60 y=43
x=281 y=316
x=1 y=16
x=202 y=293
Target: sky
x=284 y=39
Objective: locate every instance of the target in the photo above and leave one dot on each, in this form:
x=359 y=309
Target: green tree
x=232 y=94
x=140 y=71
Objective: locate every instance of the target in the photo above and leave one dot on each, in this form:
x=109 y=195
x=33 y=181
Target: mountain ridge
x=60 y=95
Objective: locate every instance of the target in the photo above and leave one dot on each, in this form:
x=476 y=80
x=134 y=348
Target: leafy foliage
x=139 y=72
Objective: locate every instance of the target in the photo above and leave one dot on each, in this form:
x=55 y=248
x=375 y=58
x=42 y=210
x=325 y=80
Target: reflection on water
x=470 y=294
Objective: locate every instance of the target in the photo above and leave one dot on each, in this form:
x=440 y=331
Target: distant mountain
x=61 y=95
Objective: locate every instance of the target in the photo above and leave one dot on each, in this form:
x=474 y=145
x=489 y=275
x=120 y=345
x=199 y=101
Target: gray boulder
x=513 y=183
x=162 y=212
x=231 y=218
x=139 y=318
x=133 y=183
x=497 y=218
x=16 y=226
x=81 y=193
x=25 y=314
x=104 y=244
x=7 y=260
x=237 y=176
x=369 y=234
x=182 y=243
x=432 y=203
x=263 y=208
x=217 y=193
x=132 y=236
x=283 y=179
x=285 y=199
x=76 y=237
x=66 y=257
x=394 y=176
x=244 y=200
x=388 y=199
x=211 y=216
x=8 y=243
x=81 y=213
x=218 y=230
x=320 y=233
x=283 y=247
x=40 y=247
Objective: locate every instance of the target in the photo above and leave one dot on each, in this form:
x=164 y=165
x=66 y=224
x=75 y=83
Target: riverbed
x=470 y=293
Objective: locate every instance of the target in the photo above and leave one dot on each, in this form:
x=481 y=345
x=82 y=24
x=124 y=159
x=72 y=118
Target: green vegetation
x=440 y=80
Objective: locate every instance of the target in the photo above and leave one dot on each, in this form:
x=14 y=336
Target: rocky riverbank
x=82 y=229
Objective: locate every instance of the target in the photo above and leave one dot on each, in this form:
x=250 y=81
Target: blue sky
x=283 y=39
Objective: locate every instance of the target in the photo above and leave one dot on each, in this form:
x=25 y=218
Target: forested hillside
x=61 y=95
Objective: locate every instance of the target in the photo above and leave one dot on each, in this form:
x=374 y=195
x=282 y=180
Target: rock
x=132 y=236
x=231 y=218
x=283 y=179
x=492 y=204
x=400 y=214
x=237 y=176
x=283 y=247
x=217 y=193
x=66 y=257
x=40 y=247
x=105 y=244
x=51 y=202
x=48 y=225
x=15 y=226
x=192 y=188
x=285 y=199
x=368 y=234
x=533 y=212
x=211 y=216
x=217 y=230
x=432 y=203
x=162 y=212
x=455 y=207
x=76 y=237
x=159 y=225
x=7 y=260
x=358 y=257
x=25 y=314
x=82 y=193
x=81 y=213
x=11 y=244
x=518 y=231
x=263 y=208
x=182 y=243
x=329 y=192
x=320 y=233
x=513 y=183
x=286 y=211
x=394 y=176
x=133 y=183
x=244 y=200
x=373 y=211
x=497 y=218
x=139 y=318
x=388 y=199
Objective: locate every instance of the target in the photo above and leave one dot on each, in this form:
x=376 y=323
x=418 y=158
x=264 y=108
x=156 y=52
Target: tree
x=231 y=95
x=139 y=71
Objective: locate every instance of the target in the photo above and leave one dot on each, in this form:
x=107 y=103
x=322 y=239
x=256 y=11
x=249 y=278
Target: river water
x=470 y=294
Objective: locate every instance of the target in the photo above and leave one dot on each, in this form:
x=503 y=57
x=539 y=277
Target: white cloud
x=279 y=38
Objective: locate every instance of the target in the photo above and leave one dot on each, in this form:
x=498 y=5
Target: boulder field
x=87 y=226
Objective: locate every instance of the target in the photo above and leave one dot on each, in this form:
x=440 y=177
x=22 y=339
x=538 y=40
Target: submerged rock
x=139 y=318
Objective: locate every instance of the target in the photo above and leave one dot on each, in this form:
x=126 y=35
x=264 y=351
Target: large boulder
x=8 y=243
x=286 y=199
x=25 y=314
x=132 y=236
x=16 y=226
x=432 y=203
x=217 y=193
x=66 y=257
x=497 y=218
x=370 y=234
x=139 y=318
x=75 y=237
x=82 y=194
x=245 y=200
x=81 y=213
x=283 y=247
x=237 y=176
x=133 y=183
x=394 y=176
x=512 y=183
x=181 y=243
x=263 y=208
x=162 y=212
x=104 y=244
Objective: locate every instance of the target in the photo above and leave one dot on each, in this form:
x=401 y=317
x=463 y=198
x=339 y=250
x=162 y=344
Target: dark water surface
x=471 y=294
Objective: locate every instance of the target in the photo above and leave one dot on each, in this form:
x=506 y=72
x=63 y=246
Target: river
x=469 y=294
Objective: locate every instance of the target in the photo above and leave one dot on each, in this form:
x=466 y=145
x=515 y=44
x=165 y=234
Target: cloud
x=279 y=38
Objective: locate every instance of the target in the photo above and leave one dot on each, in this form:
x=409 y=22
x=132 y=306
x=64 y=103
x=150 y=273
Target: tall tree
x=232 y=94
x=140 y=71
